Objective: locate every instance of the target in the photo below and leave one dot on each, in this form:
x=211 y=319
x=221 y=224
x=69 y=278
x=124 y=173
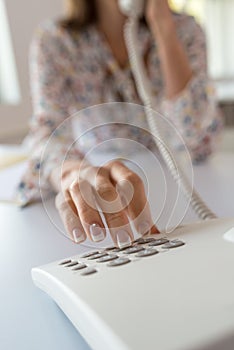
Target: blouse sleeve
x=194 y=112
x=49 y=138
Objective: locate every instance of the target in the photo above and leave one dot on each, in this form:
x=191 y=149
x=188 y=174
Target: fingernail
x=144 y=228
x=78 y=235
x=97 y=233
x=123 y=239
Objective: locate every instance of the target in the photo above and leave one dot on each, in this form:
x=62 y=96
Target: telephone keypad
x=113 y=256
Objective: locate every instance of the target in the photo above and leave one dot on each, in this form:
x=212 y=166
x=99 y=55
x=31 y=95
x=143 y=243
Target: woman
x=82 y=61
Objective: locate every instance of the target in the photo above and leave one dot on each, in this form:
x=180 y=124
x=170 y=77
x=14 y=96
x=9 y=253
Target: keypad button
x=132 y=250
x=107 y=258
x=97 y=256
x=79 y=267
x=87 y=255
x=139 y=241
x=65 y=262
x=144 y=240
x=119 y=262
x=110 y=249
x=117 y=250
x=73 y=263
x=88 y=271
x=173 y=244
x=146 y=252
x=158 y=242
x=149 y=239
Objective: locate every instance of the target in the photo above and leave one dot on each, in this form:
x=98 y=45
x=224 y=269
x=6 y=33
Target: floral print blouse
x=70 y=72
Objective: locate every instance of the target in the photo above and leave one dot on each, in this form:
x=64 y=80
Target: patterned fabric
x=70 y=72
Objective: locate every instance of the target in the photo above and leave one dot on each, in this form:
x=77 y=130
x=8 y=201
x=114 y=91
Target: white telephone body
x=133 y=307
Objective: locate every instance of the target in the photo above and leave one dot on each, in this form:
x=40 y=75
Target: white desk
x=29 y=319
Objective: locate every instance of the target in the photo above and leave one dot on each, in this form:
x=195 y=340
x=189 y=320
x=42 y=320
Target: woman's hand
x=116 y=190
x=176 y=68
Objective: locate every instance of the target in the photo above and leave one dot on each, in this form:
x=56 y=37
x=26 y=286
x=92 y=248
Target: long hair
x=78 y=14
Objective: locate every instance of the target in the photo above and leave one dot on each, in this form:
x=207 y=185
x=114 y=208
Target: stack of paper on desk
x=12 y=166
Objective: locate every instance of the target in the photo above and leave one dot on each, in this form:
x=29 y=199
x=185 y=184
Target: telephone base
x=178 y=298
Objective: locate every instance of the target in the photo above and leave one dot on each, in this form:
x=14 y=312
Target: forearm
x=175 y=65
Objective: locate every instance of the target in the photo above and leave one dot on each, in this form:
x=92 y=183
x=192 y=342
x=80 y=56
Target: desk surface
x=29 y=318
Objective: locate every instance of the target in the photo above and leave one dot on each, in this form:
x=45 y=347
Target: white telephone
x=160 y=293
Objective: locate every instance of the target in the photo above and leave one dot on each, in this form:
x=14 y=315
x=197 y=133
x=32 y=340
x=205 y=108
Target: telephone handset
x=134 y=9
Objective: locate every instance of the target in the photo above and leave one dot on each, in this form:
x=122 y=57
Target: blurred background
x=18 y=20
